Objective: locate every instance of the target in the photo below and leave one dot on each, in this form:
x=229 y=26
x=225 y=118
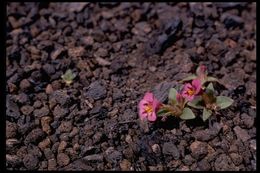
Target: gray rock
x=94 y=157
x=224 y=163
x=96 y=91
x=199 y=149
x=241 y=133
x=30 y=161
x=170 y=148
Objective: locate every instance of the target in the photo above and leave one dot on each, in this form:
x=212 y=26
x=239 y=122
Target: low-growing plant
x=197 y=93
x=68 y=76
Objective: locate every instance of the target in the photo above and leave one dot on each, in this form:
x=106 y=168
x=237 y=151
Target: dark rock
x=208 y=134
x=216 y=47
x=62 y=146
x=12 y=109
x=44 y=144
x=66 y=126
x=199 y=149
x=170 y=148
x=125 y=165
x=61 y=97
x=63 y=159
x=34 y=136
x=13 y=160
x=236 y=158
x=224 y=163
x=60 y=112
x=52 y=164
x=25 y=85
x=112 y=155
x=188 y=160
x=117 y=94
x=30 y=161
x=247 y=120
x=44 y=111
x=232 y=21
x=241 y=133
x=94 y=157
x=76 y=52
x=48 y=154
x=11 y=129
x=27 y=110
x=58 y=53
x=45 y=122
x=97 y=137
x=78 y=165
x=96 y=91
x=204 y=165
x=49 y=69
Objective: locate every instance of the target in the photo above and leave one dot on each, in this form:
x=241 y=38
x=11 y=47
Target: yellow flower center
x=191 y=92
x=148 y=108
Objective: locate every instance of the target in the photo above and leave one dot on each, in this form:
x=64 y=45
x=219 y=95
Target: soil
x=118 y=51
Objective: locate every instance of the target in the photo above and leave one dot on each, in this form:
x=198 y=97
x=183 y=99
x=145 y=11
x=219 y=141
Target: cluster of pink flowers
x=149 y=105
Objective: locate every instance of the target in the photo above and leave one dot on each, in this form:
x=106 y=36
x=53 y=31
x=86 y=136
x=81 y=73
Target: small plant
x=195 y=94
x=68 y=76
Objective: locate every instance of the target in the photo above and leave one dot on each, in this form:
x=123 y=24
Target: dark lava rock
x=208 y=134
x=34 y=136
x=25 y=85
x=66 y=126
x=247 y=120
x=78 y=165
x=188 y=160
x=60 y=112
x=13 y=160
x=52 y=164
x=241 y=133
x=44 y=111
x=112 y=155
x=11 y=129
x=236 y=158
x=30 y=161
x=216 y=47
x=170 y=148
x=48 y=153
x=96 y=91
x=199 y=149
x=27 y=110
x=232 y=21
x=94 y=157
x=63 y=159
x=48 y=68
x=224 y=163
x=12 y=108
x=61 y=97
x=204 y=165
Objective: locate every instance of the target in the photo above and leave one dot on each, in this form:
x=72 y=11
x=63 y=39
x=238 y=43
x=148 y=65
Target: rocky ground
x=118 y=52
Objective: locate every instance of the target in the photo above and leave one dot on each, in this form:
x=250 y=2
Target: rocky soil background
x=118 y=52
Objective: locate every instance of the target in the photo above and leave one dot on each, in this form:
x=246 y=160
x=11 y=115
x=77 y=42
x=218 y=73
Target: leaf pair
x=176 y=107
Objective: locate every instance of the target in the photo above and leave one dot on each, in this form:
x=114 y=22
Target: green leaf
x=187 y=114
x=163 y=112
x=68 y=76
x=224 y=102
x=172 y=94
x=196 y=103
x=212 y=79
x=191 y=77
x=206 y=114
x=210 y=87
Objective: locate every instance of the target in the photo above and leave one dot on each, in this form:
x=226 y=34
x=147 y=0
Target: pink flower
x=190 y=90
x=148 y=107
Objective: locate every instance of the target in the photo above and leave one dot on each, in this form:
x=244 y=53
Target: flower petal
x=196 y=83
x=152 y=117
x=148 y=97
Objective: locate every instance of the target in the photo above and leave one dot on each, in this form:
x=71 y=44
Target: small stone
x=11 y=129
x=102 y=61
x=224 y=163
x=236 y=158
x=66 y=126
x=30 y=161
x=45 y=122
x=97 y=137
x=170 y=148
x=63 y=159
x=44 y=144
x=57 y=53
x=34 y=136
x=48 y=153
x=241 y=133
x=74 y=132
x=88 y=41
x=44 y=111
x=128 y=139
x=49 y=89
x=188 y=160
x=25 y=85
x=96 y=91
x=156 y=148
x=62 y=146
x=125 y=165
x=76 y=52
x=199 y=149
x=204 y=165
x=94 y=157
x=112 y=155
x=59 y=112
x=52 y=164
x=247 y=120
x=27 y=110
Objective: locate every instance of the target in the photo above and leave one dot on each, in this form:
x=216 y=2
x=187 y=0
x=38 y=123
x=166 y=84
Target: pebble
x=65 y=126
x=30 y=162
x=199 y=149
x=125 y=165
x=45 y=123
x=34 y=136
x=241 y=133
x=62 y=146
x=63 y=159
x=52 y=164
x=169 y=148
x=96 y=91
x=44 y=111
x=94 y=157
